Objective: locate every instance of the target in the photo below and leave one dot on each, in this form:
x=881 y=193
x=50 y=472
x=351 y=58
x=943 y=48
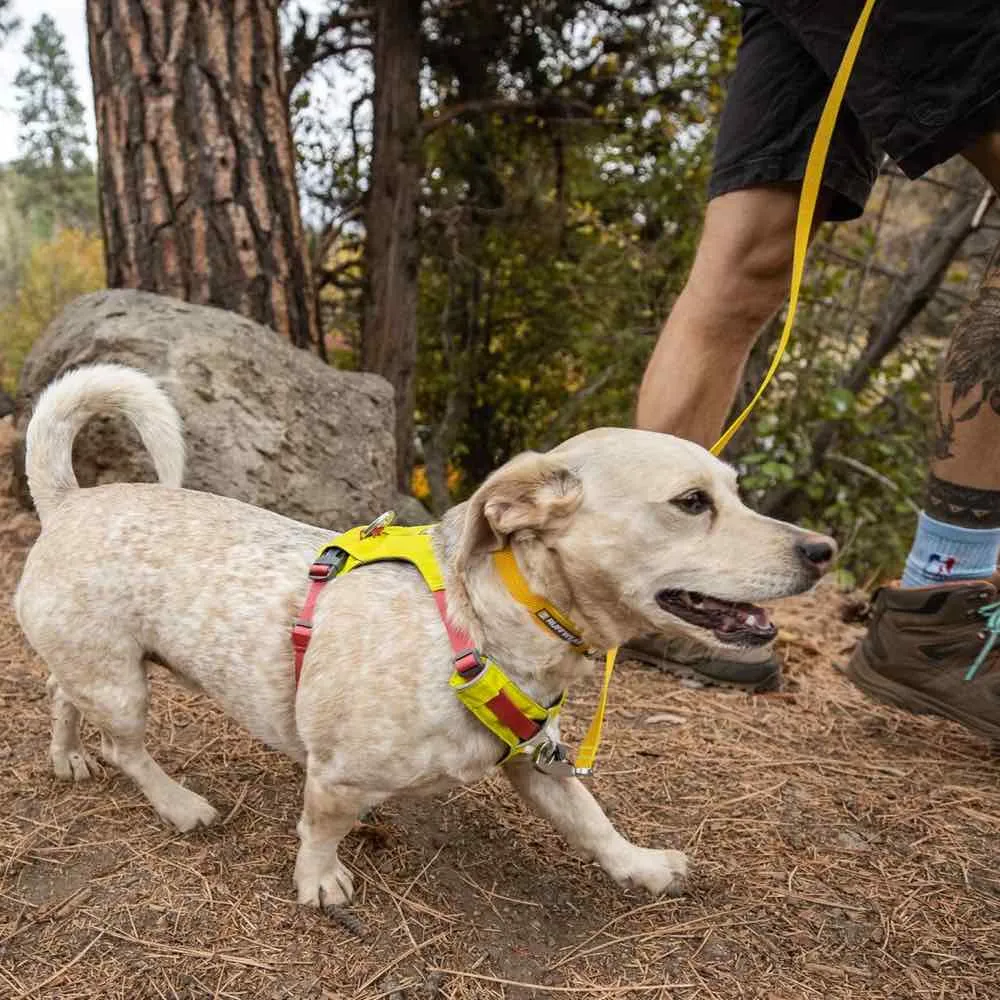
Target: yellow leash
x=811 y=184
x=807 y=209
x=588 y=748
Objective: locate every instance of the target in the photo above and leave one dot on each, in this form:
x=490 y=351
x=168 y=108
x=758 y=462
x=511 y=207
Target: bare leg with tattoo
x=930 y=645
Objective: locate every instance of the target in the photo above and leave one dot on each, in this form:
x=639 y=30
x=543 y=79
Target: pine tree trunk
x=389 y=335
x=196 y=163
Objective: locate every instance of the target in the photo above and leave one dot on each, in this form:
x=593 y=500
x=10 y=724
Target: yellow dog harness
x=514 y=717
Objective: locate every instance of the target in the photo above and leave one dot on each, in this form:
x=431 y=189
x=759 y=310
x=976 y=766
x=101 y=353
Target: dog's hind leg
x=69 y=760
x=107 y=682
x=328 y=814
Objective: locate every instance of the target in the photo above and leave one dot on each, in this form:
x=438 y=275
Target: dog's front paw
x=658 y=872
x=333 y=887
x=186 y=810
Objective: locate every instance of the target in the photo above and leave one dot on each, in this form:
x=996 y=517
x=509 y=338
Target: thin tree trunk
x=196 y=162
x=389 y=333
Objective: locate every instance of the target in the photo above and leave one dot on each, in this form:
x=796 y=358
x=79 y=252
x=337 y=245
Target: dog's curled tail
x=97 y=390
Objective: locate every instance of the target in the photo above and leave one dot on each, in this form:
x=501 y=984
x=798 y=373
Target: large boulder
x=264 y=422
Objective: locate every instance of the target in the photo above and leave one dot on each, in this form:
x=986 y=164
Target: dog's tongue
x=738 y=617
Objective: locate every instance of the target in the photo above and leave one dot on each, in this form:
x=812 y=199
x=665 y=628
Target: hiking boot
x=931 y=650
x=749 y=668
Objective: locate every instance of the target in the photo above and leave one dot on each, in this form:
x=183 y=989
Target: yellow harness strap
x=392 y=543
x=811 y=183
x=486 y=696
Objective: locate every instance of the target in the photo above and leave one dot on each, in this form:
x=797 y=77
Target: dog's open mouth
x=731 y=622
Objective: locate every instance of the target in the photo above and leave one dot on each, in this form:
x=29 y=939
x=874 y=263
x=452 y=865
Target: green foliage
x=563 y=200
x=55 y=272
x=41 y=199
x=49 y=250
x=851 y=464
x=52 y=133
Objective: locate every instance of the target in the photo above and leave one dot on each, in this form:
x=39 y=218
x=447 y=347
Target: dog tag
x=553 y=758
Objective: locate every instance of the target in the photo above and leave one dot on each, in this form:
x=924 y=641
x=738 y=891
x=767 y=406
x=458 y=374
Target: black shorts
x=925 y=85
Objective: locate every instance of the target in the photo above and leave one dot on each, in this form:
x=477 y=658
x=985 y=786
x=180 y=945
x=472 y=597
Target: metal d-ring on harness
x=513 y=716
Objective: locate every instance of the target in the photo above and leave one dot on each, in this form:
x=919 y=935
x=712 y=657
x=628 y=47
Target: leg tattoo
x=970 y=372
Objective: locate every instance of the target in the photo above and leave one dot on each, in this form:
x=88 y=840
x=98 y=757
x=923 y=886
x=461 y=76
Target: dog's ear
x=532 y=492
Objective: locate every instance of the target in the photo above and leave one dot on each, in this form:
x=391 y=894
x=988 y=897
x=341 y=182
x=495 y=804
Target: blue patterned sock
x=943 y=552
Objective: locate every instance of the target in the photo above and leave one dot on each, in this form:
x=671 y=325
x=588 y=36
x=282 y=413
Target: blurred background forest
x=491 y=204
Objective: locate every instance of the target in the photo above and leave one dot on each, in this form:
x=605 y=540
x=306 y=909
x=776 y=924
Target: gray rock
x=409 y=510
x=263 y=421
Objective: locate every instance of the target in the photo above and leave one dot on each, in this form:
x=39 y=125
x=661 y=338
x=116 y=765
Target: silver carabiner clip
x=552 y=758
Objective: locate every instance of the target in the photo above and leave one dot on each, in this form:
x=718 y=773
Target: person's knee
x=755 y=281
x=744 y=261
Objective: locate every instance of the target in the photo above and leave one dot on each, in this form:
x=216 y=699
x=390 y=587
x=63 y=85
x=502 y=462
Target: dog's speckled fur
x=210 y=586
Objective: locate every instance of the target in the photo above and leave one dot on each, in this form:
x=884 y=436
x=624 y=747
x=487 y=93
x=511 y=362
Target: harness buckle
x=330 y=563
x=301 y=634
x=469 y=663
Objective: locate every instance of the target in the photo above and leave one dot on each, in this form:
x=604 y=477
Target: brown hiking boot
x=755 y=668
x=931 y=649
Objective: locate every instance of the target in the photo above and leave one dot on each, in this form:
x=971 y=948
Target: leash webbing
x=811 y=184
x=588 y=748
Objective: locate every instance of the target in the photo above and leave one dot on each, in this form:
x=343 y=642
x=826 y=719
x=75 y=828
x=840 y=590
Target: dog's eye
x=694 y=502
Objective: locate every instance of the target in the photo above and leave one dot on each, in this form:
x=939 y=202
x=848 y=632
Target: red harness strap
x=320 y=573
x=467 y=660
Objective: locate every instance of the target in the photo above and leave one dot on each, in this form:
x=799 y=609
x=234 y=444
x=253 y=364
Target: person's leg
x=958 y=535
x=741 y=271
x=739 y=278
x=742 y=266
x=928 y=648
x=968 y=410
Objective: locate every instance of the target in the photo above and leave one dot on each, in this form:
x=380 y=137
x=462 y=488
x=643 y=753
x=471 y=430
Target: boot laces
x=991 y=612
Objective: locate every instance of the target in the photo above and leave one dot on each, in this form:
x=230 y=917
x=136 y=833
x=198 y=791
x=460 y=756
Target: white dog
x=628 y=532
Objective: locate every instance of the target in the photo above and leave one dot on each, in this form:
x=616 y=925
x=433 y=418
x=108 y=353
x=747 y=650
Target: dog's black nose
x=817 y=552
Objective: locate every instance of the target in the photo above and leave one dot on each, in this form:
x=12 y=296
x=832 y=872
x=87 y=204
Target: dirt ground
x=839 y=851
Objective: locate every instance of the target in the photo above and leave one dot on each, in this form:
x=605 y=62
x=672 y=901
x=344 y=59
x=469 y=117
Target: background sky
x=69 y=16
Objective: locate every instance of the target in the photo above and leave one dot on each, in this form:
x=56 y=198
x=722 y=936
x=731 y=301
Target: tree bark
x=392 y=253
x=196 y=161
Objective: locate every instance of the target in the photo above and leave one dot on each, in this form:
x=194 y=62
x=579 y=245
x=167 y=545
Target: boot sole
x=687 y=672
x=890 y=692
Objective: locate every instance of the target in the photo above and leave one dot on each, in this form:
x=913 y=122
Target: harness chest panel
x=478 y=682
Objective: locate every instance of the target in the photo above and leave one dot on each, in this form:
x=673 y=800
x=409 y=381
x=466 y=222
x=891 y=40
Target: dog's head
x=633 y=532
